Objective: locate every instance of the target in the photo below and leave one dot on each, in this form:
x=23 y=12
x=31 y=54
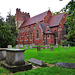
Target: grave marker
x=10 y=46
x=57 y=46
x=36 y=61
x=38 y=48
x=64 y=47
x=66 y=65
x=26 y=47
x=48 y=46
x=33 y=44
x=20 y=45
x=45 y=46
x=30 y=46
x=53 y=46
x=61 y=46
x=51 y=49
x=68 y=46
x=17 y=46
x=15 y=60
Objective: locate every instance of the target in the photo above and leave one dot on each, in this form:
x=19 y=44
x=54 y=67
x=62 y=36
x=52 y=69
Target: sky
x=34 y=7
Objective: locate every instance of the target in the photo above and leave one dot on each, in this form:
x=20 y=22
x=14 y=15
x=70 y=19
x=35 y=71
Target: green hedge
x=65 y=42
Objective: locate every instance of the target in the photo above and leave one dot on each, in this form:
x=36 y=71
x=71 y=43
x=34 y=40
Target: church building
x=44 y=28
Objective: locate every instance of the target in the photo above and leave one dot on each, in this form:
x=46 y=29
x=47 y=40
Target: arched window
x=25 y=37
x=56 y=34
x=30 y=36
x=37 y=34
x=48 y=36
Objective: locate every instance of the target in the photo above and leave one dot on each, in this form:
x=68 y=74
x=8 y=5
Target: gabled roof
x=55 y=20
x=34 y=19
x=43 y=25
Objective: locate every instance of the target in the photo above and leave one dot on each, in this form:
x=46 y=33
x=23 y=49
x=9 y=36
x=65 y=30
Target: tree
x=71 y=27
x=11 y=20
x=69 y=7
x=70 y=23
x=6 y=37
x=8 y=31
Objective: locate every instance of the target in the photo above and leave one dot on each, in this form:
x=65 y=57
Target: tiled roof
x=34 y=19
x=55 y=20
x=43 y=25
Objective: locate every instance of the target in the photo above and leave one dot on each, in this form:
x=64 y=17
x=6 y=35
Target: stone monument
x=30 y=46
x=64 y=47
x=15 y=60
x=57 y=46
x=68 y=46
x=2 y=54
x=66 y=65
x=45 y=46
x=51 y=49
x=48 y=46
x=61 y=46
x=20 y=45
x=33 y=44
x=17 y=46
x=26 y=47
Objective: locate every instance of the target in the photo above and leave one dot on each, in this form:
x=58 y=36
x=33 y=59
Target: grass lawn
x=51 y=57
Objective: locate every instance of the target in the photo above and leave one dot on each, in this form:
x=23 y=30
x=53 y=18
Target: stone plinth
x=15 y=61
x=2 y=53
x=19 y=68
x=15 y=57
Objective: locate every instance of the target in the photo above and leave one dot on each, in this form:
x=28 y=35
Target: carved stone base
x=14 y=69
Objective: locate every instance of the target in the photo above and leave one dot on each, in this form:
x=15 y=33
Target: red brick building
x=42 y=29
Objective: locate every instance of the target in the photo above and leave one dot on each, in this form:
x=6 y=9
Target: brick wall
x=20 y=17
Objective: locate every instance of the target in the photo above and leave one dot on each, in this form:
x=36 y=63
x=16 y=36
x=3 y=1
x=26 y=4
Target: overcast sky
x=34 y=7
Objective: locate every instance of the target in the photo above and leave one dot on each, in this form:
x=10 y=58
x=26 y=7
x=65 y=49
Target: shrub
x=65 y=42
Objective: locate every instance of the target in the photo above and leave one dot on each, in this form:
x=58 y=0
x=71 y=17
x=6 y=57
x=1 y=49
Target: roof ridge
x=39 y=14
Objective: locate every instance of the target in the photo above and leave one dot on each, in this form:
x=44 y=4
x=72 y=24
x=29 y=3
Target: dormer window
x=47 y=30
